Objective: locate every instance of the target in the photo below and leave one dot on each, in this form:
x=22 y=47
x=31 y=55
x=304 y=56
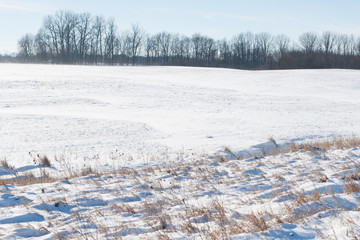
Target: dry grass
x=44 y=161
x=353 y=176
x=271 y=139
x=330 y=144
x=350 y=186
x=230 y=153
x=4 y=163
x=176 y=208
x=29 y=179
x=256 y=222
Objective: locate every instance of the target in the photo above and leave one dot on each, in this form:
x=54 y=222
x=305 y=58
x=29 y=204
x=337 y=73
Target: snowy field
x=149 y=137
x=86 y=111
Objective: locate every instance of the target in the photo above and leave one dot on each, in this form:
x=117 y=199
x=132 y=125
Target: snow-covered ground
x=83 y=111
x=138 y=118
x=298 y=195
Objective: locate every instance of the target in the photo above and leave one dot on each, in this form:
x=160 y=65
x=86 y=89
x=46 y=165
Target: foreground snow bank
x=297 y=195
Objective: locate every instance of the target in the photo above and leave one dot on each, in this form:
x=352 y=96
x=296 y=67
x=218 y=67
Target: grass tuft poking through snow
x=44 y=161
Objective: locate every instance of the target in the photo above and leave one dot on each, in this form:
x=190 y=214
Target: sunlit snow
x=152 y=153
x=84 y=111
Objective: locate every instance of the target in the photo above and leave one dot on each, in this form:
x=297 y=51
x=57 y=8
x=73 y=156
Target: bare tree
x=357 y=46
x=98 y=31
x=352 y=45
x=126 y=47
x=175 y=49
x=224 y=52
x=209 y=49
x=327 y=42
x=66 y=23
x=53 y=36
x=84 y=30
x=164 y=40
x=149 y=48
x=185 y=49
x=238 y=49
x=60 y=28
x=26 y=47
x=264 y=42
x=136 y=35
x=308 y=41
x=282 y=44
x=343 y=44
x=242 y=48
x=111 y=41
x=42 y=45
x=196 y=43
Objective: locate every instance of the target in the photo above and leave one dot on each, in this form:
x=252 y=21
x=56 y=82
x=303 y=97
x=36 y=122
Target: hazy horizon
x=216 y=20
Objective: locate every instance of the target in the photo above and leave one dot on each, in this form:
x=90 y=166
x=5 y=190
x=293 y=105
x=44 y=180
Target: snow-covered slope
x=82 y=111
x=137 y=152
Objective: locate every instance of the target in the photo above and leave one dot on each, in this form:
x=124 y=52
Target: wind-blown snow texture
x=84 y=111
x=134 y=117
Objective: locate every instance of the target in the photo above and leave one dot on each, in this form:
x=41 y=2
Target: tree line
x=71 y=38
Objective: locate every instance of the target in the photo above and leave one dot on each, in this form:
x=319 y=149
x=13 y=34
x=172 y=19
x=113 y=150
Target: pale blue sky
x=217 y=19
